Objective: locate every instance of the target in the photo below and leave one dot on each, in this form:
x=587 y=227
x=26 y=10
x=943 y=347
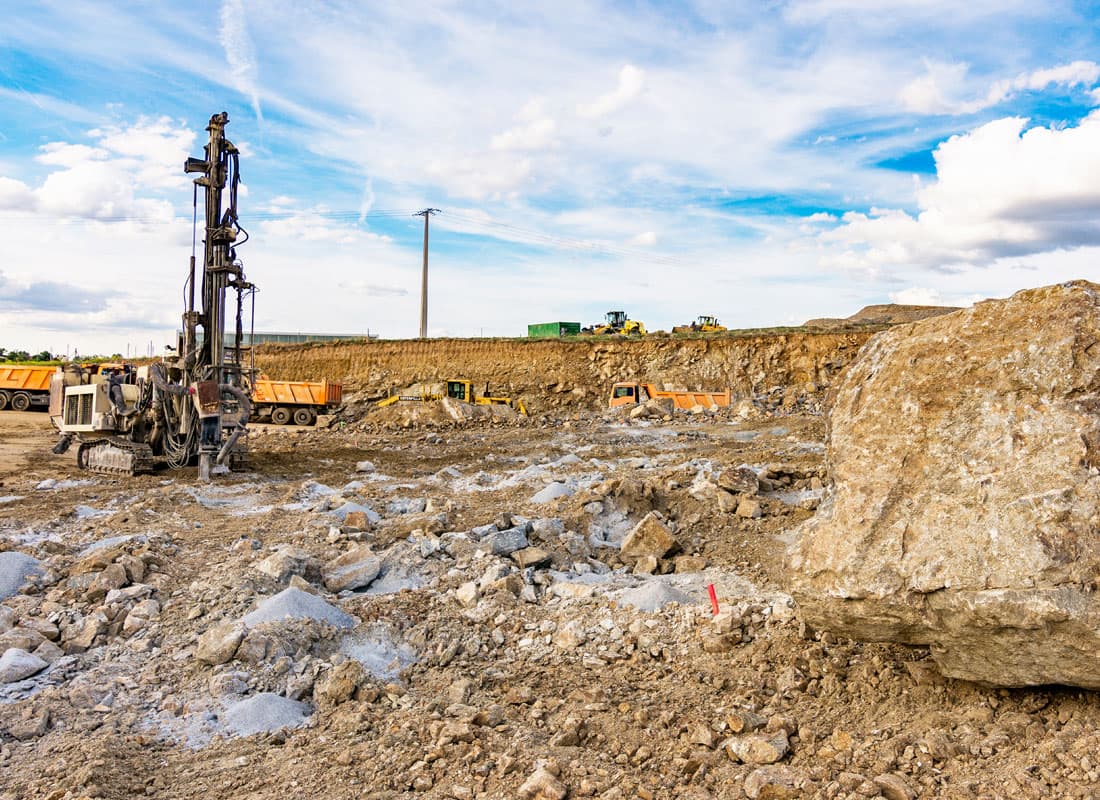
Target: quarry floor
x=480 y=677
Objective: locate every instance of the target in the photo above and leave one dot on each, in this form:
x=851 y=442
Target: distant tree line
x=45 y=355
x=23 y=355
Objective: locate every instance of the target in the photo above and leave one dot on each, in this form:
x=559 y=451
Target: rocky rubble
x=505 y=647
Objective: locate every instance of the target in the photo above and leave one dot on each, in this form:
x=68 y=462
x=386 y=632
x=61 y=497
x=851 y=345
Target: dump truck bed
x=30 y=379
x=302 y=393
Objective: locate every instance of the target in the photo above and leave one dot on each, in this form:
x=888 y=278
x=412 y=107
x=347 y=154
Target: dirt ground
x=561 y=669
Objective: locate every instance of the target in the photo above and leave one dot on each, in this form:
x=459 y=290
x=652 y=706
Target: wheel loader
x=702 y=324
x=457 y=389
x=616 y=322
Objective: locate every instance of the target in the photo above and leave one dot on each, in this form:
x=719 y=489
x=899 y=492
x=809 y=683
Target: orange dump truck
x=23 y=387
x=294 y=401
x=629 y=394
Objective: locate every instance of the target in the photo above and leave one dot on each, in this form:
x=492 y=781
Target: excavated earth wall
x=577 y=373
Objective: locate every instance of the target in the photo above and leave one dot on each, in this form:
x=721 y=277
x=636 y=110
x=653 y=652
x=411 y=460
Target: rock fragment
x=650 y=537
x=218 y=644
x=755 y=748
x=543 y=785
x=354 y=569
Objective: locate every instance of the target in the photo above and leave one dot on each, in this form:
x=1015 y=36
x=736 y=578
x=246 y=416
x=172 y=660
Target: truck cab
x=627 y=394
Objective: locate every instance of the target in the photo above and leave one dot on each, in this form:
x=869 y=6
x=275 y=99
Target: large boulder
x=966 y=509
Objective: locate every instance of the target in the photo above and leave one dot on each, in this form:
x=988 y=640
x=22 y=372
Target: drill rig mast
x=193 y=404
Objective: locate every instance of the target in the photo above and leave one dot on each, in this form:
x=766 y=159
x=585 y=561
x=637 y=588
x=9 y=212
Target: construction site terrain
x=409 y=602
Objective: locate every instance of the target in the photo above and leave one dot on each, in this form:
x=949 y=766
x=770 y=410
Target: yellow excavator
x=458 y=389
x=616 y=322
x=703 y=324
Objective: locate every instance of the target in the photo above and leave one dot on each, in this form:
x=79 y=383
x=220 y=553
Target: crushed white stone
x=264 y=712
x=15 y=568
x=293 y=603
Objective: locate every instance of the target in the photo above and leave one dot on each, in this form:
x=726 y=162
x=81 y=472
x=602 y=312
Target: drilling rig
x=193 y=405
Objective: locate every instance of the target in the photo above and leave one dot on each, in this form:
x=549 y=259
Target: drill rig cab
x=193 y=405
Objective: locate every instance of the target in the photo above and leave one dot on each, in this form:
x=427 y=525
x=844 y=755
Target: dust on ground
x=503 y=646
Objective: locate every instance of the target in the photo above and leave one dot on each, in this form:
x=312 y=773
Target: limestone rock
x=757 y=748
x=749 y=508
x=338 y=685
x=139 y=616
x=353 y=570
x=218 y=644
x=650 y=537
x=16 y=664
x=894 y=787
x=506 y=542
x=775 y=782
x=84 y=639
x=543 y=785
x=965 y=453
x=113 y=577
x=531 y=557
x=739 y=480
x=287 y=561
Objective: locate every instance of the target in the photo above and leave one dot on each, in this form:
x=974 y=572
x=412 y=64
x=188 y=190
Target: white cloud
x=15 y=194
x=240 y=52
x=1000 y=191
x=537 y=134
x=631 y=80
x=647 y=239
x=481 y=176
x=944 y=88
x=68 y=155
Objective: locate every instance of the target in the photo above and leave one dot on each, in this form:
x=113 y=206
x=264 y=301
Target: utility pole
x=426 y=213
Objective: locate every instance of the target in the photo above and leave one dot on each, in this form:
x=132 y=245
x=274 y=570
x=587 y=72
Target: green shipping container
x=553 y=330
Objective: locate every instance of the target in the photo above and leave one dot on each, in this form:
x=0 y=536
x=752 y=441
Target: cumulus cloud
x=118 y=177
x=15 y=194
x=631 y=80
x=944 y=87
x=63 y=154
x=1001 y=190
x=240 y=52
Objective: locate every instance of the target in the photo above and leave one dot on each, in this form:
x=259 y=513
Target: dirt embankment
x=575 y=373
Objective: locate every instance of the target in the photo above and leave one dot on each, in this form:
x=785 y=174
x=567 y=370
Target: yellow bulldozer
x=458 y=389
x=616 y=322
x=703 y=324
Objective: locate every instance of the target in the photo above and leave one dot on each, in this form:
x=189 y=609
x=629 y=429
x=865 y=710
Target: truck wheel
x=4 y=399
x=20 y=401
x=280 y=415
x=303 y=416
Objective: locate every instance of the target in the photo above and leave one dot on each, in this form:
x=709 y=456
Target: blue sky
x=767 y=162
